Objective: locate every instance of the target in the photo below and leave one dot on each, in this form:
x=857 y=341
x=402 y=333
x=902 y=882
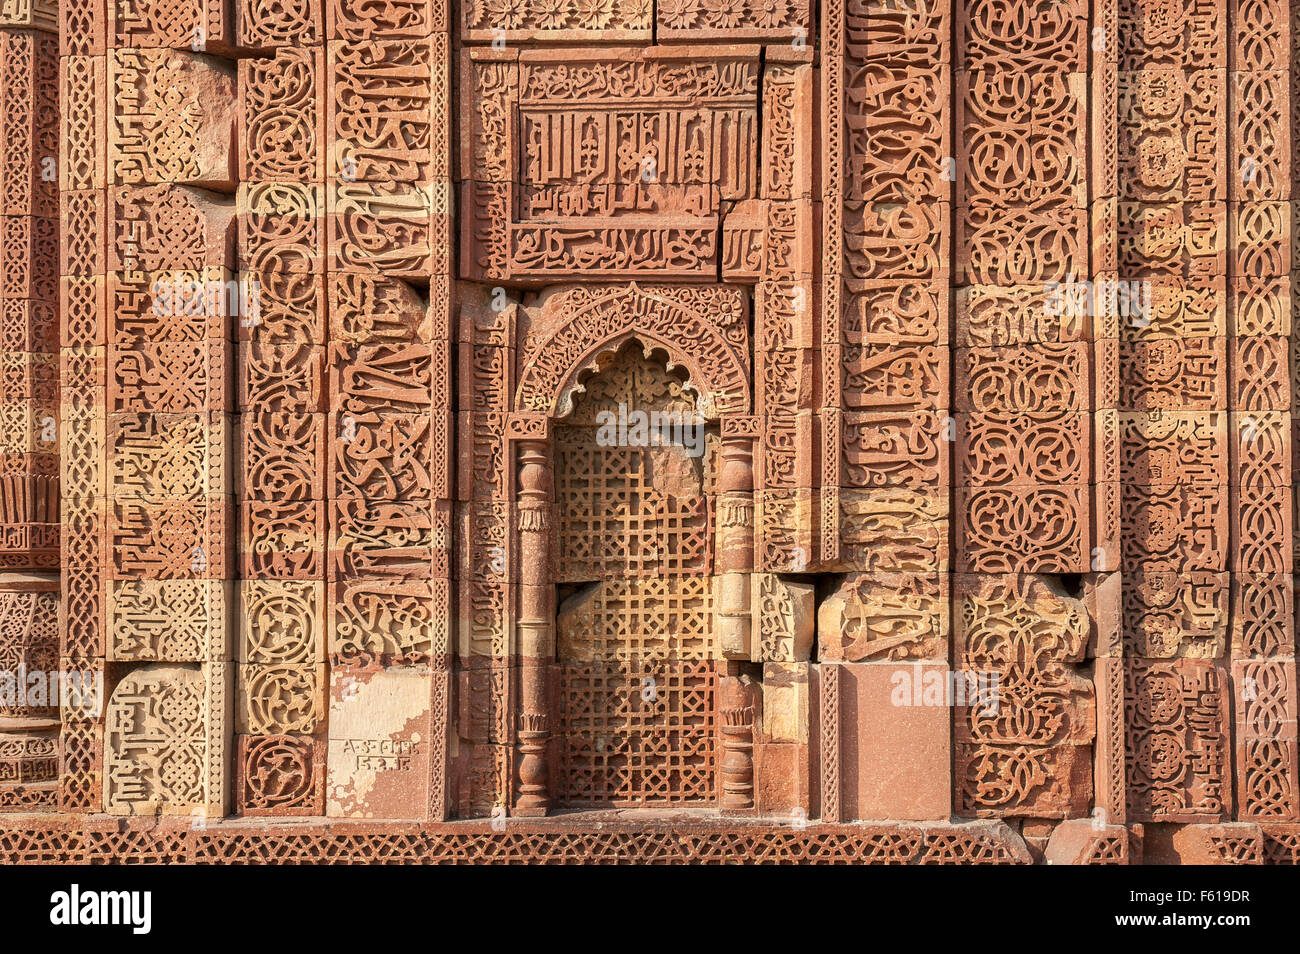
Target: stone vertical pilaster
x=1261 y=495
x=29 y=407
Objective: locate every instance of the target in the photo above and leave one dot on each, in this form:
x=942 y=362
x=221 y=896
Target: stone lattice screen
x=307 y=307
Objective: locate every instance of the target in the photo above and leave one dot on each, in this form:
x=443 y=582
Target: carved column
x=734 y=550
x=535 y=629
x=29 y=410
x=733 y=564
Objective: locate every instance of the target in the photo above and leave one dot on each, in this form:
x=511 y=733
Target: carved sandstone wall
x=982 y=550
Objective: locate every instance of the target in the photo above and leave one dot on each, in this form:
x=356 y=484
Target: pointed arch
x=701 y=328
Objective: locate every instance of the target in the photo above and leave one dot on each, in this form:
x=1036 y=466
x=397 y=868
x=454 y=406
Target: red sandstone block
x=895 y=448
x=983 y=790
x=994 y=316
x=1261 y=136
x=382 y=456
x=1260 y=306
x=282 y=131
x=377 y=623
x=82 y=233
x=1261 y=374
x=169 y=227
x=483 y=378
x=996 y=449
x=1256 y=49
x=1030 y=529
x=381 y=378
x=83 y=28
x=1040 y=123
x=28 y=377
x=260 y=26
x=1259 y=239
x=1262 y=525
x=1177 y=528
x=914 y=96
x=181 y=24
x=482 y=72
x=168 y=456
x=481 y=472
x=281 y=308
x=1142 y=45
x=1187 y=239
x=171 y=378
x=1103 y=596
x=1156 y=307
x=1168 y=614
x=83 y=371
x=279 y=775
x=485 y=556
x=483 y=774
x=892 y=529
x=895 y=749
x=1159 y=448
x=1082 y=841
x=280 y=698
x=781 y=781
x=981 y=41
x=171 y=539
x=380 y=121
x=1174 y=374
x=1172 y=135
x=82 y=135
x=396 y=540
x=1263 y=617
x=1027 y=378
x=366 y=309
x=1207 y=844
x=171 y=306
x=481 y=692
x=149 y=86
x=909 y=240
x=29 y=267
x=1027 y=247
x=912 y=33
x=83 y=304
x=1001 y=718
x=282 y=456
x=383 y=733
x=1106 y=510
x=694 y=20
x=282 y=539
x=1262 y=442
x=1105 y=374
x=902 y=378
x=1177 y=752
x=281 y=378
x=896 y=312
x=382 y=229
x=362 y=20
x=281 y=227
x=1266 y=748
x=1265 y=698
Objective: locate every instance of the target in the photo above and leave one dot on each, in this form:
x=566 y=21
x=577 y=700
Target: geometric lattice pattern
x=415 y=413
x=636 y=651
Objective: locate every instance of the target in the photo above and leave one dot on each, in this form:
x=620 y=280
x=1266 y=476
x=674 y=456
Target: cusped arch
x=702 y=328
